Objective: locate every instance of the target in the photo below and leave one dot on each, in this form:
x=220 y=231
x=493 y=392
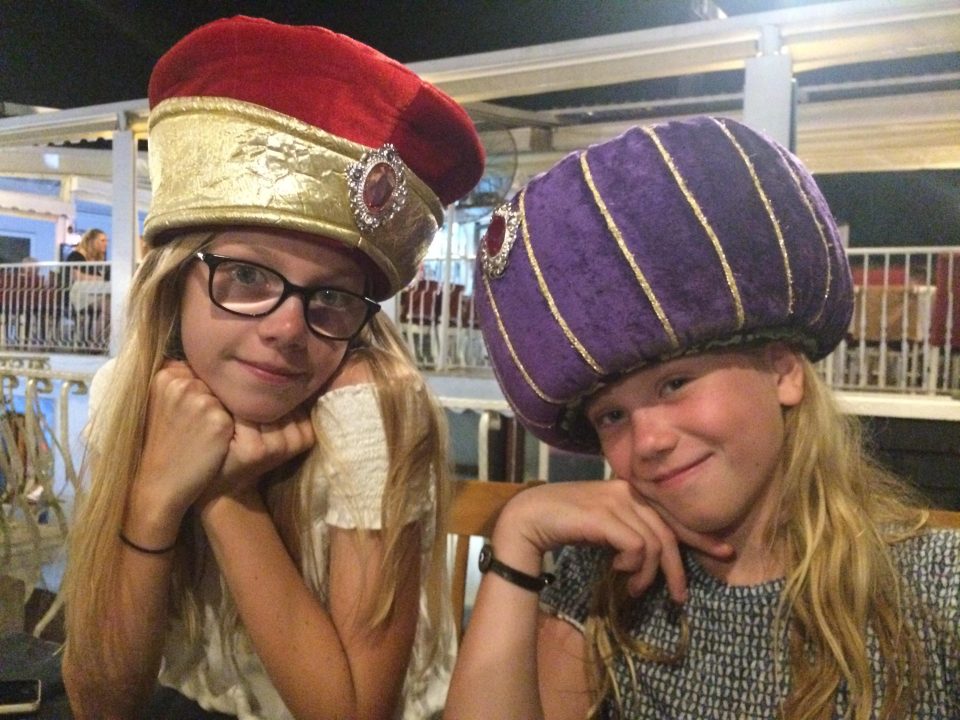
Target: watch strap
x=534 y=583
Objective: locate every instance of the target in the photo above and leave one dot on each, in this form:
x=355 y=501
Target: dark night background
x=71 y=53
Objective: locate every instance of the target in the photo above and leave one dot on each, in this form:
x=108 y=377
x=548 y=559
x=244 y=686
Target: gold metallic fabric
x=224 y=162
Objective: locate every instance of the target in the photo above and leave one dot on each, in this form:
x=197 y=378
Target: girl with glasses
x=661 y=298
x=268 y=470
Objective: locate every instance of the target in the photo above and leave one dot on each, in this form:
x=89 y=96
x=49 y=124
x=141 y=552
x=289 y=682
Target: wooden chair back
x=475 y=507
x=945 y=519
x=946 y=303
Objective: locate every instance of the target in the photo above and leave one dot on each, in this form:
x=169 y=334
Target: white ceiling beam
x=508 y=116
x=86 y=123
x=851 y=135
x=32 y=205
x=101 y=191
x=45 y=161
x=816 y=36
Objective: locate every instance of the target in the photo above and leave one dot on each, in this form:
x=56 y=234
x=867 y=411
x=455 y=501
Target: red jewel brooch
x=498 y=240
x=378 y=187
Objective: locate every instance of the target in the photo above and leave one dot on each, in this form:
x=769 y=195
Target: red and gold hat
x=297 y=127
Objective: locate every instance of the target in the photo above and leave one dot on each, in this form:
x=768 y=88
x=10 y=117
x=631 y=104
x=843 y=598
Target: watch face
x=486 y=557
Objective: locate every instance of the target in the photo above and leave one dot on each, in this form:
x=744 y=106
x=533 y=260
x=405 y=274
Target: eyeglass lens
x=249 y=289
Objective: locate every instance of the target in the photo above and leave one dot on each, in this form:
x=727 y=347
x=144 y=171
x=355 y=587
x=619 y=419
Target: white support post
x=489 y=420
x=66 y=224
x=768 y=101
x=443 y=322
x=125 y=228
x=543 y=461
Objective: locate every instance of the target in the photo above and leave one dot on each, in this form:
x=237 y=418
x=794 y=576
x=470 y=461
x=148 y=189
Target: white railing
x=39 y=459
x=904 y=335
x=55 y=307
x=439 y=322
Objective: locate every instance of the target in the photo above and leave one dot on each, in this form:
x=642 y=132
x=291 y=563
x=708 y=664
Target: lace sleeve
x=356 y=473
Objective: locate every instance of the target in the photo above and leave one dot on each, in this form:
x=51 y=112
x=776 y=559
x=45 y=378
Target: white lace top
x=350 y=417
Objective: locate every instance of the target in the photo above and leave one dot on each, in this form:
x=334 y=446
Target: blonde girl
x=661 y=298
x=267 y=468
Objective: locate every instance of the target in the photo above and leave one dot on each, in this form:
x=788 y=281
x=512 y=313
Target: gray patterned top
x=728 y=669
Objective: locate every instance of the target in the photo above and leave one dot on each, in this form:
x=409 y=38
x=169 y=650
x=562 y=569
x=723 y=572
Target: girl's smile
x=275 y=374
x=677 y=476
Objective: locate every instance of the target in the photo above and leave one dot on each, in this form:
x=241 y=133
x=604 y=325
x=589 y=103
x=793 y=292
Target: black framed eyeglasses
x=247 y=288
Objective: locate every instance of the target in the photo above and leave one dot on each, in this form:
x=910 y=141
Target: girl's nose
x=652 y=434
x=286 y=324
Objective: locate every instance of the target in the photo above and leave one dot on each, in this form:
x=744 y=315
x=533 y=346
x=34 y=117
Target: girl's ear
x=788 y=368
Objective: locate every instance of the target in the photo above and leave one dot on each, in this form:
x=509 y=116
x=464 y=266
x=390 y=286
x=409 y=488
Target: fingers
x=258 y=448
x=707 y=544
x=186 y=438
x=608 y=513
x=180 y=401
x=660 y=553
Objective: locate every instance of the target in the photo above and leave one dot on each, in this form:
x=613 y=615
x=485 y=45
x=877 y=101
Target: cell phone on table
x=19 y=696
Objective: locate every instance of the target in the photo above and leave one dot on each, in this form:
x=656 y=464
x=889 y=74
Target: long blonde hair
x=416 y=437
x=838 y=515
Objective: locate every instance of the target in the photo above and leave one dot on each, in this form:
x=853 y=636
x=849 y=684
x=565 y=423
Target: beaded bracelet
x=139 y=548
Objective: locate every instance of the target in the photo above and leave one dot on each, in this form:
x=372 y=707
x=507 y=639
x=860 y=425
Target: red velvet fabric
x=332 y=82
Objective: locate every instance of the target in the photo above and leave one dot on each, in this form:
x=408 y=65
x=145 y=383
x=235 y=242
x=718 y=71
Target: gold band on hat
x=219 y=161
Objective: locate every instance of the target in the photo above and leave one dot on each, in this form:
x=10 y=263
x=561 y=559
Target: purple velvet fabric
x=727 y=229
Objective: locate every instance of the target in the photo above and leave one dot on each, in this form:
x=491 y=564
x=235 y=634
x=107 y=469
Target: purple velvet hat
x=663 y=241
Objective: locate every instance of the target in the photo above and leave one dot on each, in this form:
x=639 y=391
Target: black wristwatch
x=520 y=579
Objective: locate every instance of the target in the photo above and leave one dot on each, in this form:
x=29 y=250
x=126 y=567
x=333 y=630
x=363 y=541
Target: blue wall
x=42 y=234
x=35 y=186
x=94 y=215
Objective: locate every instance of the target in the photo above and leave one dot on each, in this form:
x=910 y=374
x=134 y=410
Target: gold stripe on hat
x=628 y=256
x=823 y=236
x=698 y=211
x=513 y=353
x=524 y=420
x=770 y=213
x=545 y=291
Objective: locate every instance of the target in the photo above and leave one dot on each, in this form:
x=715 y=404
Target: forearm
x=117 y=629
x=496 y=673
x=293 y=634
x=130 y=640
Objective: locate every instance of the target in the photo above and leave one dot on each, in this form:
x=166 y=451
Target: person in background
x=91 y=248
x=662 y=298
x=262 y=531
x=89 y=292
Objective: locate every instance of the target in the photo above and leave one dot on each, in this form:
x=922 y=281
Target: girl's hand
x=609 y=513
x=255 y=450
x=188 y=433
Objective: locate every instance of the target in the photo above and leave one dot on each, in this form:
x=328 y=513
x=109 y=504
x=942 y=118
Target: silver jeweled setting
x=498 y=240
x=378 y=187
